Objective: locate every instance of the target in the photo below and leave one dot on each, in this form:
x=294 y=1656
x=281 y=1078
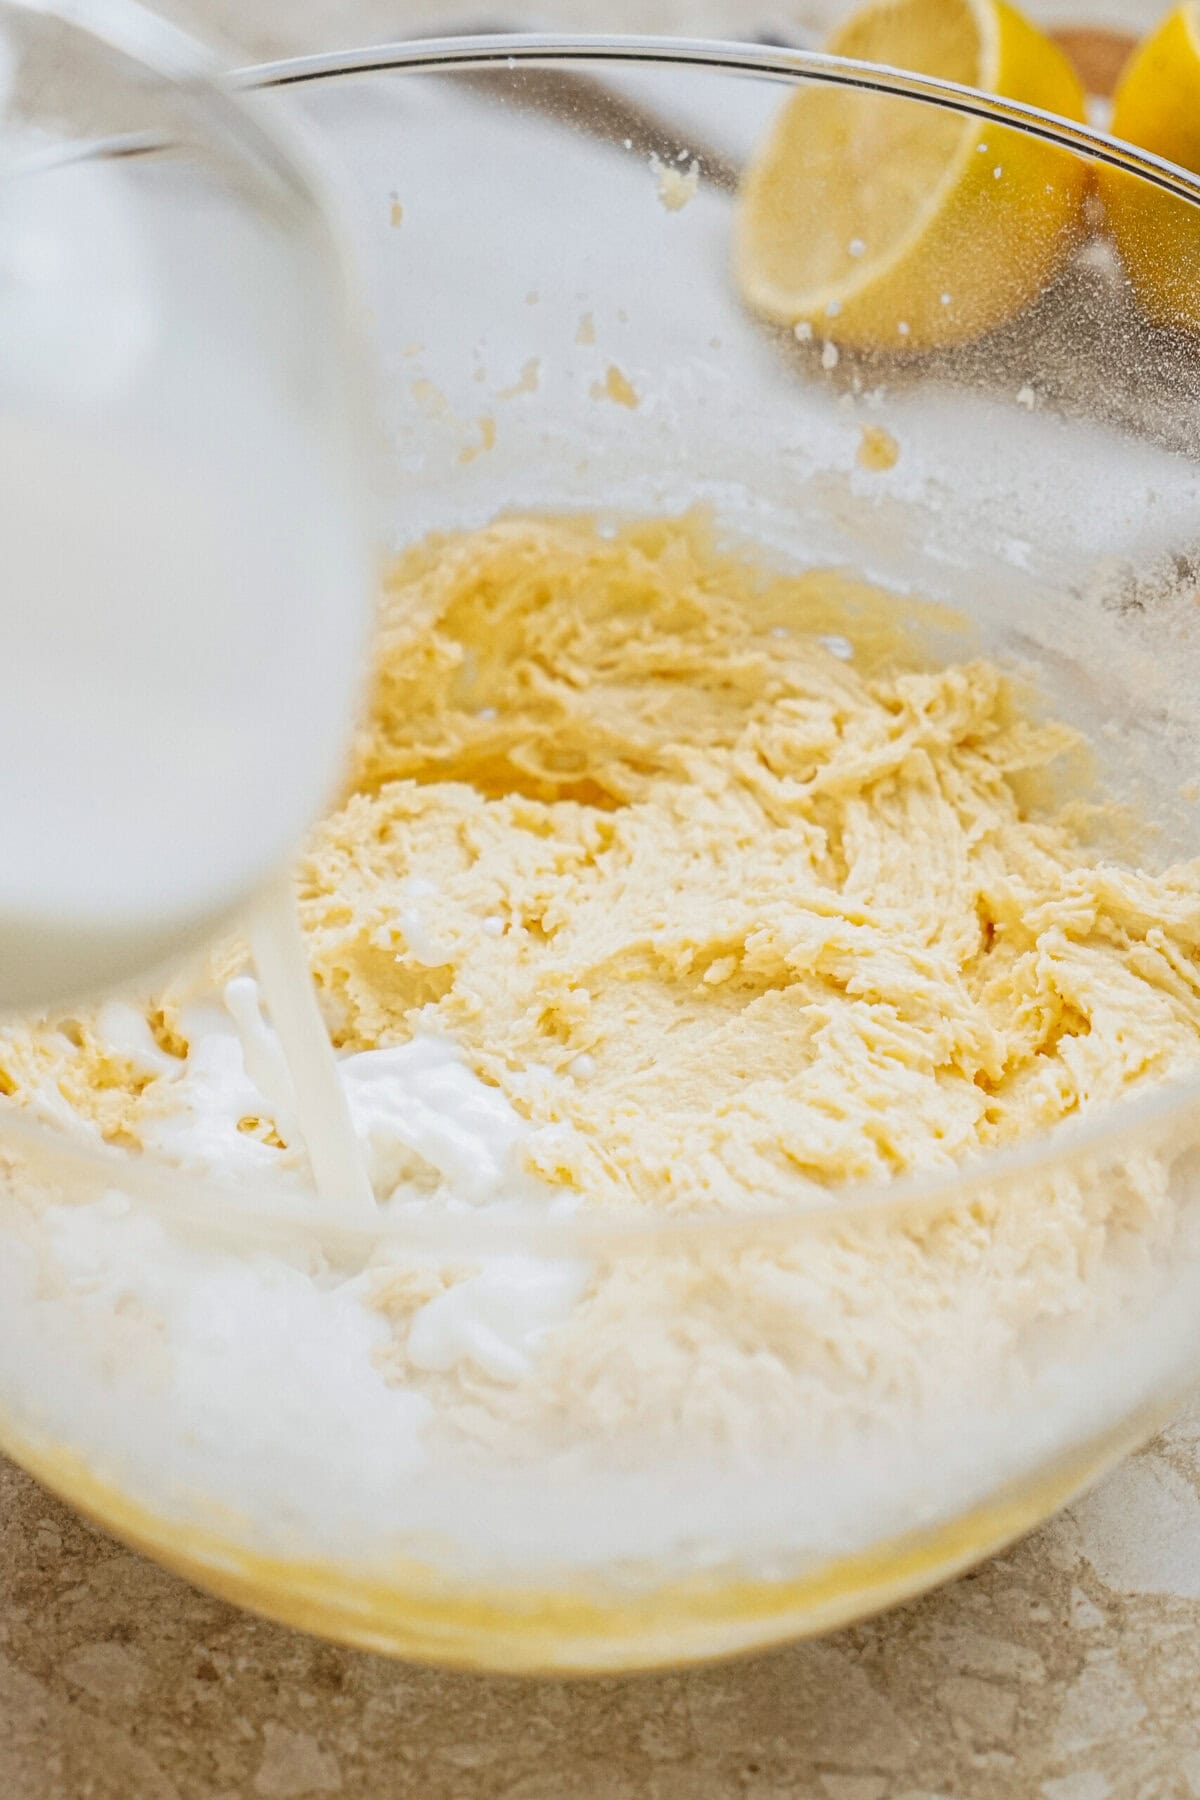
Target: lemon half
x=883 y=222
x=1157 y=106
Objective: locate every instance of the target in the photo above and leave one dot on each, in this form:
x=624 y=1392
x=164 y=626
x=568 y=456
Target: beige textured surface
x=1068 y=1669
x=1065 y=1670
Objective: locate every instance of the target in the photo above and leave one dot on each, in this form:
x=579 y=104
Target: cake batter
x=666 y=882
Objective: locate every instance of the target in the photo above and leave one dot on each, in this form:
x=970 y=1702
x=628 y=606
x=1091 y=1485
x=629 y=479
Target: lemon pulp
x=882 y=222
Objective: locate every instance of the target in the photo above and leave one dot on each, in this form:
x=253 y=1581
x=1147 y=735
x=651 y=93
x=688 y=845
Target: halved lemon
x=1157 y=106
x=882 y=222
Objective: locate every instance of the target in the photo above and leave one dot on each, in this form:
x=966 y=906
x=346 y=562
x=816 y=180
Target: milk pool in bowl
x=189 y=1351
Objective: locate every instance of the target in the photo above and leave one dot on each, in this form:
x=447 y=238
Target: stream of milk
x=322 y=1112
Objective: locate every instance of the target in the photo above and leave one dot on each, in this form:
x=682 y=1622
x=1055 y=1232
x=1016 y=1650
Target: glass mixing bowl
x=552 y=337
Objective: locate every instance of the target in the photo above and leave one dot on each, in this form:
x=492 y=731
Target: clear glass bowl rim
x=202 y=1206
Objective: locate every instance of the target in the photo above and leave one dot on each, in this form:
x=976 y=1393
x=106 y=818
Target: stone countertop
x=1066 y=1669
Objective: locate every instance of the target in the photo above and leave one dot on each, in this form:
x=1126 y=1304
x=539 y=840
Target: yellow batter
x=733 y=909
x=736 y=908
x=704 y=867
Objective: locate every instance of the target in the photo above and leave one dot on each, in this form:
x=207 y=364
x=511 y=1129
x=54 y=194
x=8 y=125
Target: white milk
x=186 y=574
x=322 y=1111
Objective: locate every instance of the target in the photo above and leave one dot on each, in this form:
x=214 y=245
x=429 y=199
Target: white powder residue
x=304 y=1346
x=428 y=1126
x=498 y=1318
